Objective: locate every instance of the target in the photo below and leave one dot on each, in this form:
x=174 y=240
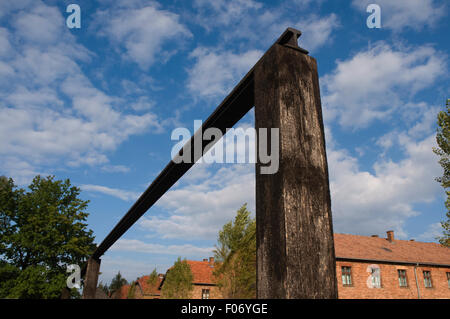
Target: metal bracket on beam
x=289 y=38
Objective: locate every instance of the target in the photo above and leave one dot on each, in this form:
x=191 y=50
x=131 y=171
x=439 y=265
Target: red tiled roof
x=202 y=272
x=380 y=249
x=122 y=293
x=148 y=289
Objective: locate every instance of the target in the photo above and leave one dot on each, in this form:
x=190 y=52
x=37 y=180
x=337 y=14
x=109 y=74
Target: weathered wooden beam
x=91 y=279
x=295 y=249
x=226 y=115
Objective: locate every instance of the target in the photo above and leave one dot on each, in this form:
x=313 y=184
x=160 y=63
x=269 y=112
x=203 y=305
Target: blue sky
x=98 y=105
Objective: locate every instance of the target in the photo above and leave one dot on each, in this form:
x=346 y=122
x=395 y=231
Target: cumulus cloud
x=401 y=14
x=131 y=268
x=119 y=193
x=39 y=24
x=215 y=73
x=141 y=32
x=6 y=7
x=364 y=201
x=224 y=12
x=207 y=205
x=21 y=170
x=433 y=231
x=238 y=20
x=5 y=45
x=50 y=112
x=139 y=246
x=370 y=202
x=369 y=85
x=115 y=168
x=317 y=31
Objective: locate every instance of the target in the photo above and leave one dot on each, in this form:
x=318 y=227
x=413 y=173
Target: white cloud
x=50 y=113
x=363 y=201
x=22 y=171
x=239 y=19
x=371 y=202
x=39 y=24
x=130 y=268
x=143 y=103
x=317 y=31
x=115 y=169
x=79 y=134
x=6 y=7
x=186 y=250
x=401 y=14
x=215 y=73
x=224 y=12
x=207 y=205
x=368 y=86
x=425 y=118
x=432 y=232
x=119 y=193
x=143 y=32
x=303 y=2
x=198 y=172
x=5 y=45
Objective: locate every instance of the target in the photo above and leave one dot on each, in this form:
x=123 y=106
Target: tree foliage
x=178 y=281
x=104 y=287
x=42 y=231
x=132 y=290
x=153 y=278
x=117 y=282
x=443 y=151
x=235 y=254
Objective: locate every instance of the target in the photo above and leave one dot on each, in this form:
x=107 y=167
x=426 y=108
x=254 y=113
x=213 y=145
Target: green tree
x=178 y=281
x=104 y=287
x=443 y=151
x=153 y=278
x=42 y=231
x=132 y=290
x=117 y=282
x=235 y=254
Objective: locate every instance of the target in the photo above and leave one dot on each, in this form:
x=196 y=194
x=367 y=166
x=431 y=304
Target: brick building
x=204 y=283
x=366 y=268
x=205 y=286
x=142 y=288
x=373 y=267
x=122 y=293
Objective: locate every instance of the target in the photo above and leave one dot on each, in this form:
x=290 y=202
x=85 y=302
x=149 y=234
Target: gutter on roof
x=393 y=262
x=203 y=284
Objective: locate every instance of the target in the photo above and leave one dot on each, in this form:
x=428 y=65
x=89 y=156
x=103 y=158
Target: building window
x=376 y=277
x=448 y=279
x=205 y=293
x=402 y=278
x=346 y=276
x=427 y=279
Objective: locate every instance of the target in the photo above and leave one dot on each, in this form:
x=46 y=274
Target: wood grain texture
x=295 y=250
x=91 y=279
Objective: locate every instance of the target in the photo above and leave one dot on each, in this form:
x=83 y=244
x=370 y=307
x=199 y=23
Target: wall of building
x=138 y=295
x=390 y=287
x=214 y=292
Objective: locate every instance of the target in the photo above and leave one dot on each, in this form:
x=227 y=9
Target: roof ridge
x=404 y=240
